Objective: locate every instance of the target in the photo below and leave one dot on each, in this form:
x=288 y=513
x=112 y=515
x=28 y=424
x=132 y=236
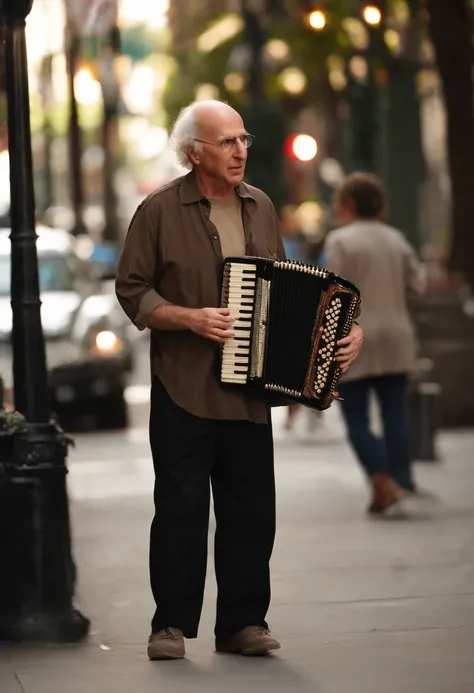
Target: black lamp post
x=36 y=581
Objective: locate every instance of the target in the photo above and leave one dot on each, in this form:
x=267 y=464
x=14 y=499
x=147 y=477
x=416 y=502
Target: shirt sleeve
x=280 y=247
x=415 y=276
x=137 y=267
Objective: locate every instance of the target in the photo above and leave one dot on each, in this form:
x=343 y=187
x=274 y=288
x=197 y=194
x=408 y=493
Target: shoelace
x=167 y=634
x=259 y=630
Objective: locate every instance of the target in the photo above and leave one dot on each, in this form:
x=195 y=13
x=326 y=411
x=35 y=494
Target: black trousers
x=236 y=457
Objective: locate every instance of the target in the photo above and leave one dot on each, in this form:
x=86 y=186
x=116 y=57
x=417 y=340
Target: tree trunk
x=405 y=165
x=450 y=32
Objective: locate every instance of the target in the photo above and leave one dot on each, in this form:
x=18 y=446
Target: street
x=359 y=605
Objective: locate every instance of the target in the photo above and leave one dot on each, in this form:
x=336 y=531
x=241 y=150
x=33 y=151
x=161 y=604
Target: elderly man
x=201 y=433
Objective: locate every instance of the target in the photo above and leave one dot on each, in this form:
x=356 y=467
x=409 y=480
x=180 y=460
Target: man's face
x=223 y=155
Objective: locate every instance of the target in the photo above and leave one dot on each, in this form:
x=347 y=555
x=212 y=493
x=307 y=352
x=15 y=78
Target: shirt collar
x=190 y=191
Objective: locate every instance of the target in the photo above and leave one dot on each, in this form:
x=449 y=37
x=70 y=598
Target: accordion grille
x=292 y=313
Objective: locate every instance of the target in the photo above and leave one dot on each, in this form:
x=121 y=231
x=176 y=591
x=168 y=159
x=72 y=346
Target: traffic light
x=301 y=147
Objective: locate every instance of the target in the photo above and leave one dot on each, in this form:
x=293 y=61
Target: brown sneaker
x=386 y=494
x=167 y=643
x=251 y=641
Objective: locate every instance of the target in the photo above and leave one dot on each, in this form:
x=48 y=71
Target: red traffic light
x=301 y=147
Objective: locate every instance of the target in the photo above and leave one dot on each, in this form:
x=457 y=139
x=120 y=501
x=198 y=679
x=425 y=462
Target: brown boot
x=385 y=493
x=251 y=641
x=167 y=643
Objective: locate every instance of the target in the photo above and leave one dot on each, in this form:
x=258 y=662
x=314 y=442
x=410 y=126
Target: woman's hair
x=366 y=192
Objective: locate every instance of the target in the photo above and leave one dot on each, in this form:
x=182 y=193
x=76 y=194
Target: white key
x=237 y=347
x=242 y=267
x=233 y=358
x=234 y=372
x=241 y=295
x=239 y=322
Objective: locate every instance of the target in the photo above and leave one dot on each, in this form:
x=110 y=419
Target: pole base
x=37 y=568
x=54 y=628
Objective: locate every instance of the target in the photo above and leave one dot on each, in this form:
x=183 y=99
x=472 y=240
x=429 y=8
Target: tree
x=450 y=29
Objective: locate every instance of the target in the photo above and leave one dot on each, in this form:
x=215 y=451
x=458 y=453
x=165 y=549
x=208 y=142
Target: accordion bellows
x=289 y=317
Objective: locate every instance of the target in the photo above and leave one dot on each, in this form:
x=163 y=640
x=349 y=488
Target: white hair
x=182 y=135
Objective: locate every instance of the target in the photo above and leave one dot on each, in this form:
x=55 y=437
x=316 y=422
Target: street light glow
x=107 y=341
x=87 y=88
x=305 y=147
x=372 y=15
x=317 y=20
x=293 y=80
x=234 y=81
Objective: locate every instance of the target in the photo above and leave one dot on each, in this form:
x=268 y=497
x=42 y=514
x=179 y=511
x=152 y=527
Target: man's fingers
x=345 y=359
x=218 y=339
x=222 y=323
x=347 y=356
x=221 y=326
x=343 y=355
x=222 y=333
x=345 y=341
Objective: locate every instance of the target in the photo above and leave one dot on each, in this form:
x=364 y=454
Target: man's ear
x=193 y=155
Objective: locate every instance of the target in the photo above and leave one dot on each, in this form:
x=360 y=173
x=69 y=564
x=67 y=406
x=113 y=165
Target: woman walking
x=381 y=262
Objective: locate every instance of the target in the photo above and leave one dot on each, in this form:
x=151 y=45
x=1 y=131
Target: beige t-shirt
x=226 y=215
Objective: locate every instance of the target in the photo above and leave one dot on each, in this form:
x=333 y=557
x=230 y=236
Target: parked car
x=89 y=355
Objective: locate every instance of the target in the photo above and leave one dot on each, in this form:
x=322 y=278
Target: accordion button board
x=288 y=317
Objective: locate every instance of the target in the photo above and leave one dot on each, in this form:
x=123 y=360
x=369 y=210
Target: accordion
x=289 y=317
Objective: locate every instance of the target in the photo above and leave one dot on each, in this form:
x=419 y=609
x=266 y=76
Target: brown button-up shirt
x=172 y=254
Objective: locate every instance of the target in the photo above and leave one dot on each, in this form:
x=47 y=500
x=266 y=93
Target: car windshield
x=55 y=274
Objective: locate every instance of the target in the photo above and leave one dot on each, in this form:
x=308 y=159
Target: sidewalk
x=360 y=606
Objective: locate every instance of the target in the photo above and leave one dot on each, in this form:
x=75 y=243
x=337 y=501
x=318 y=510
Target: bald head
x=214 y=116
x=211 y=108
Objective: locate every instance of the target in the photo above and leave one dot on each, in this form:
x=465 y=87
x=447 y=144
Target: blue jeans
x=391 y=453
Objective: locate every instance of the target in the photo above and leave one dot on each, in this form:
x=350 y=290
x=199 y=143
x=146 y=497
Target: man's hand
x=349 y=347
x=212 y=323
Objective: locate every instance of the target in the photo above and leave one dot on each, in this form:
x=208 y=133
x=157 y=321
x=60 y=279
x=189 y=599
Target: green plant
x=12 y=422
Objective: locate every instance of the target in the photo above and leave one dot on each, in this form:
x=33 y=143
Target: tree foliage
x=310 y=50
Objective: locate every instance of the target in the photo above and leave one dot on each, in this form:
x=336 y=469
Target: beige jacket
x=381 y=262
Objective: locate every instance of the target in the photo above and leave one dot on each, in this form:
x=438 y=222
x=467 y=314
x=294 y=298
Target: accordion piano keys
x=239 y=297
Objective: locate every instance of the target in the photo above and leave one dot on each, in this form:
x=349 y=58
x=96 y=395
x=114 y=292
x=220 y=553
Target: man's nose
x=240 y=150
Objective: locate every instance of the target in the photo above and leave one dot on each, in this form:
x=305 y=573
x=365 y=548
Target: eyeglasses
x=229 y=143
